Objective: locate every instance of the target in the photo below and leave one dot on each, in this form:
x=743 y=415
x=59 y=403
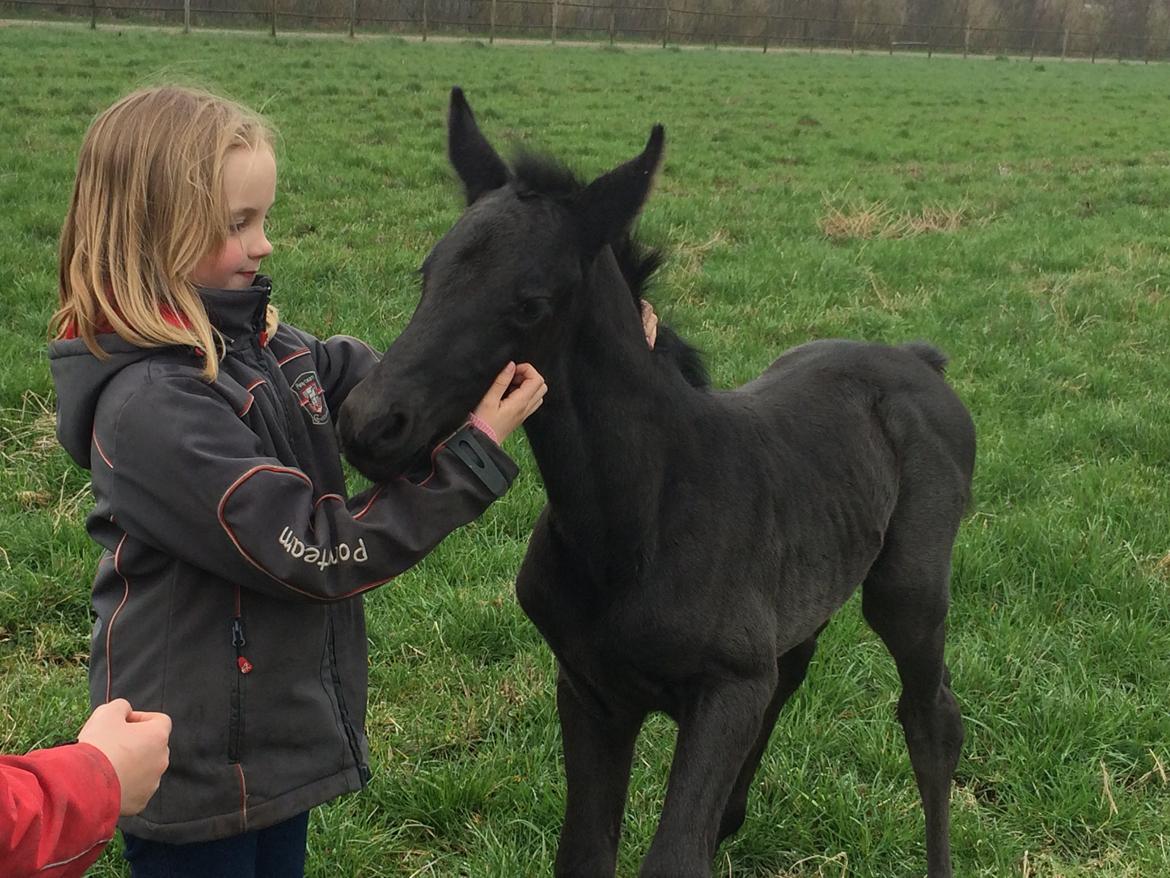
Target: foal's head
x=507 y=282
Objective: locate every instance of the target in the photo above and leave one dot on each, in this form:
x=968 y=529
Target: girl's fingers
x=649 y=323
x=524 y=400
x=503 y=381
x=515 y=394
x=524 y=372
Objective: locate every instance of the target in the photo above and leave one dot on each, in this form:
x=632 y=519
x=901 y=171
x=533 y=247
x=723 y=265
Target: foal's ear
x=473 y=158
x=610 y=203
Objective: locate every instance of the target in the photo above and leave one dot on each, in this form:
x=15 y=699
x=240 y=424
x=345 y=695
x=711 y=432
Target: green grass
x=1049 y=292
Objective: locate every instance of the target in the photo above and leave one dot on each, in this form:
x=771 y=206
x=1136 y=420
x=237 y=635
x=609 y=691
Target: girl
x=229 y=591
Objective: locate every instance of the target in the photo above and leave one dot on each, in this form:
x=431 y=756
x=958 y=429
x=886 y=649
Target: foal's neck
x=609 y=426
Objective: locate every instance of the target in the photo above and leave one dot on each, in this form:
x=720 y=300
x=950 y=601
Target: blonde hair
x=148 y=203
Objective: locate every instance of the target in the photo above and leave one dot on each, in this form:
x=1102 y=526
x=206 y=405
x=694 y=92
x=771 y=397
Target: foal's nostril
x=387 y=432
x=395 y=426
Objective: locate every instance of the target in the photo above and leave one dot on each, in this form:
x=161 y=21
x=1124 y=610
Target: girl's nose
x=262 y=247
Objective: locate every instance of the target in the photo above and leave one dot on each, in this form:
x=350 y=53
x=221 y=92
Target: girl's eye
x=237 y=227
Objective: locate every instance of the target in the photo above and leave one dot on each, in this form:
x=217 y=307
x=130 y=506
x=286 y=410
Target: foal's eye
x=531 y=310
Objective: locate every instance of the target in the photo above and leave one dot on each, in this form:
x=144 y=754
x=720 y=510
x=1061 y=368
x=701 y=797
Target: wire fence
x=668 y=23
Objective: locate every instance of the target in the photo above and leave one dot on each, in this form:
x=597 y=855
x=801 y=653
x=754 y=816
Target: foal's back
x=832 y=443
x=836 y=396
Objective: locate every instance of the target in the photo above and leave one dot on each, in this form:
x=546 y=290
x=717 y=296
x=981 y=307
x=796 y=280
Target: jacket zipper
x=243 y=666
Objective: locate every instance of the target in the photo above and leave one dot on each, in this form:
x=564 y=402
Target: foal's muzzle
x=379 y=444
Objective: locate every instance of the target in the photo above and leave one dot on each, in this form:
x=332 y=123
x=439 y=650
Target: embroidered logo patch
x=308 y=390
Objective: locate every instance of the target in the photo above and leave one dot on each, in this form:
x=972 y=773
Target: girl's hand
x=516 y=393
x=649 y=323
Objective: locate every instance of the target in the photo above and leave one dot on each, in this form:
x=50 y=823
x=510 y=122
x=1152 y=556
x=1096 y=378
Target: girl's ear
x=609 y=204
x=474 y=160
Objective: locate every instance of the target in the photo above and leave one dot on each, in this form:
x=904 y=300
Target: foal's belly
x=707 y=603
x=650 y=645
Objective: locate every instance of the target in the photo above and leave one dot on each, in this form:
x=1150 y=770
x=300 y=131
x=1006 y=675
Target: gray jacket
x=229 y=591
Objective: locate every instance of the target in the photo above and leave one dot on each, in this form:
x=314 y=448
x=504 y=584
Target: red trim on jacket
x=114 y=617
x=243 y=795
x=102 y=324
x=101 y=452
x=293 y=356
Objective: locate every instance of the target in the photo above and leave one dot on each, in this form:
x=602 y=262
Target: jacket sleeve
x=58 y=808
x=341 y=362
x=189 y=478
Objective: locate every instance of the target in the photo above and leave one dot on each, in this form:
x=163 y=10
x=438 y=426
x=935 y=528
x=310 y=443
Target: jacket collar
x=239 y=314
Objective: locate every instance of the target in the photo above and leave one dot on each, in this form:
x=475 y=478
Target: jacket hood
x=80 y=377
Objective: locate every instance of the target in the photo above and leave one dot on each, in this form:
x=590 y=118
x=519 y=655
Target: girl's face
x=250 y=188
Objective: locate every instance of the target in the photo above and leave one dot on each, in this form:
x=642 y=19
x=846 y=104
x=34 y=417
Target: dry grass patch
x=1112 y=863
x=684 y=263
x=688 y=257
x=1162 y=567
x=28 y=439
x=28 y=433
x=868 y=220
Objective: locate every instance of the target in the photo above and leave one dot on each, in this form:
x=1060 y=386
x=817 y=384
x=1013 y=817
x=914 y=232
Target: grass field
x=1016 y=214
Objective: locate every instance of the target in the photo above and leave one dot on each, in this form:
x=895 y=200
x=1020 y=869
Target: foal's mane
x=535 y=174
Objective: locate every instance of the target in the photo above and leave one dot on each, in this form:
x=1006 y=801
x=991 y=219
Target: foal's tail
x=928 y=353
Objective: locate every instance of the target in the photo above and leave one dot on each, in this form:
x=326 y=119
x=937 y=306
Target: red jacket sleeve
x=58 y=808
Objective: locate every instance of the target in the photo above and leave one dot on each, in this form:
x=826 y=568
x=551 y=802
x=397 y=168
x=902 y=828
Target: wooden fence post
x=492 y=26
x=930 y=43
x=554 y=22
x=1064 y=45
x=424 y=11
x=352 y=17
x=612 y=20
x=1032 y=50
x=853 y=36
x=186 y=16
x=666 y=28
x=93 y=14
x=272 y=5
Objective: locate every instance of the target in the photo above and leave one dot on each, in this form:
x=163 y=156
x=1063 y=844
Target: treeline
x=1125 y=28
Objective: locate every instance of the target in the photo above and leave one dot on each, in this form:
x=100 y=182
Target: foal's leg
x=905 y=602
x=792 y=667
x=715 y=737
x=598 y=752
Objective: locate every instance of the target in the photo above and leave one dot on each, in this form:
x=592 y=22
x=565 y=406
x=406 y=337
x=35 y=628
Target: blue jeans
x=275 y=852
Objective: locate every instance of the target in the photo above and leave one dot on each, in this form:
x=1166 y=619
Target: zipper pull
x=238 y=632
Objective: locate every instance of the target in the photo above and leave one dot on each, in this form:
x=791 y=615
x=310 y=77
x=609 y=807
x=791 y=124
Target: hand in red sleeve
x=135 y=742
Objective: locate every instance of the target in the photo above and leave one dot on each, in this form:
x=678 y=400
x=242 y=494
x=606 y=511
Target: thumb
x=503 y=380
x=119 y=707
